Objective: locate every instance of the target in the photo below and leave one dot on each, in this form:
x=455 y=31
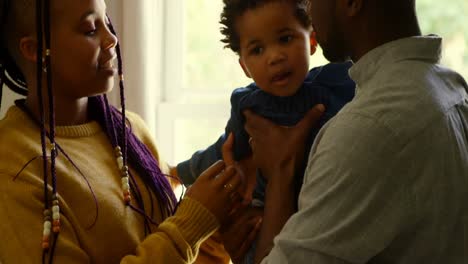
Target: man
x=387 y=178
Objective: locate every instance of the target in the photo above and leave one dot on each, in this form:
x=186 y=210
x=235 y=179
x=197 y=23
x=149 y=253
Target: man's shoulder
x=419 y=91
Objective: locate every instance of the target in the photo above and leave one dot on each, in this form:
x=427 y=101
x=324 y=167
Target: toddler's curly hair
x=233 y=9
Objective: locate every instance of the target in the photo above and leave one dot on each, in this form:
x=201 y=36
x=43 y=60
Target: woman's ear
x=28 y=48
x=244 y=68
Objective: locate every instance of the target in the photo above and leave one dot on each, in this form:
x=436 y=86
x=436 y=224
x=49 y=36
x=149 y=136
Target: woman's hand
x=217 y=189
x=276 y=148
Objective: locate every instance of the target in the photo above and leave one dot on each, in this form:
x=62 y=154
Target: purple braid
x=41 y=97
x=139 y=156
x=112 y=134
x=136 y=152
x=43 y=23
x=48 y=69
x=134 y=187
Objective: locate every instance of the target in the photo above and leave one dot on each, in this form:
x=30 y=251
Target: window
x=447 y=19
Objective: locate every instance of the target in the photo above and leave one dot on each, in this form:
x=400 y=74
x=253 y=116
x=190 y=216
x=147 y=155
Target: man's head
x=273 y=40
x=351 y=28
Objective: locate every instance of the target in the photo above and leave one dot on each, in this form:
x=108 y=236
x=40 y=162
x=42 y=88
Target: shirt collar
x=425 y=48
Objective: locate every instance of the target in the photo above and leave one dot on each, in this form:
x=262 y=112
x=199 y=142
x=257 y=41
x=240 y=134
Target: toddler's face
x=274 y=47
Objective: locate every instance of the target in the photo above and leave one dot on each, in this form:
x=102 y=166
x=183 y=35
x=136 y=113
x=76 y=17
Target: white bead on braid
x=125 y=175
x=46 y=232
x=55 y=214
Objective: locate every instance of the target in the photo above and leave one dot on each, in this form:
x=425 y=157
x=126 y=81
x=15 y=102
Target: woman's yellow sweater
x=105 y=231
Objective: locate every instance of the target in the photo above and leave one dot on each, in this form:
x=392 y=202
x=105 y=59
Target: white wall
x=7 y=100
x=142 y=54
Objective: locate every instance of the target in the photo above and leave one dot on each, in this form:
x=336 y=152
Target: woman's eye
x=90 y=32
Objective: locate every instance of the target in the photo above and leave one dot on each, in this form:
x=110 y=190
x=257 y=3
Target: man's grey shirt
x=387 y=179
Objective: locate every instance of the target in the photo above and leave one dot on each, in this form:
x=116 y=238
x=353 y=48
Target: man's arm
x=355 y=199
x=278 y=152
x=279 y=206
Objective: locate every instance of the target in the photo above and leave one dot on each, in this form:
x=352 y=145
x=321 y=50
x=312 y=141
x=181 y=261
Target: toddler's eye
x=256 y=50
x=286 y=39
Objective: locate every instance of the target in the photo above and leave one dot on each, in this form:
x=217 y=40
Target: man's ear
x=244 y=68
x=28 y=48
x=353 y=7
x=313 y=43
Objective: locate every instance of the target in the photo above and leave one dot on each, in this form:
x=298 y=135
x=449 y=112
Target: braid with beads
x=127 y=146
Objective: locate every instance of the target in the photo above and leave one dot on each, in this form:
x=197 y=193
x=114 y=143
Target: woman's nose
x=110 y=40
